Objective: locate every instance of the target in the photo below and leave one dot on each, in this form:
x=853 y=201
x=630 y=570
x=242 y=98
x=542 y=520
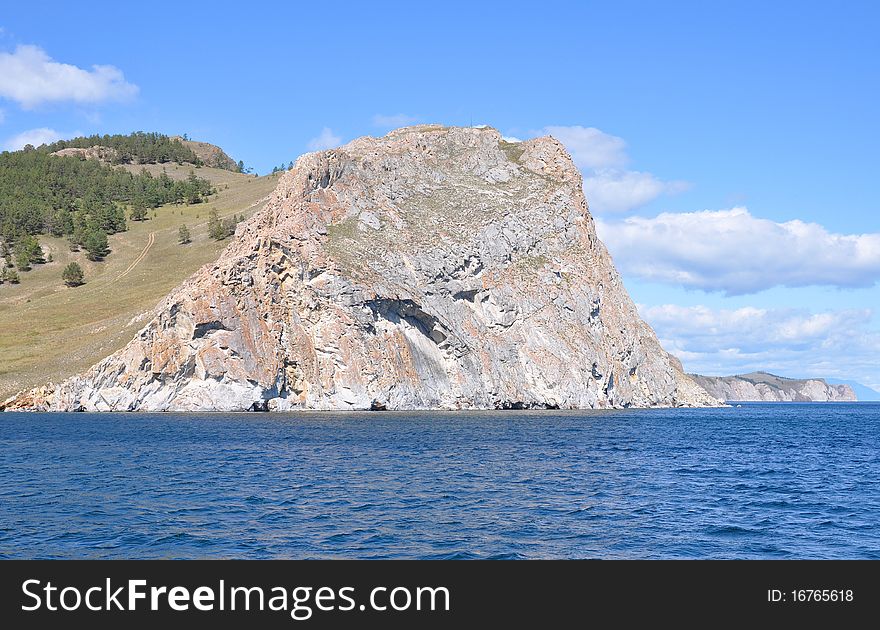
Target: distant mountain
x=863 y=392
x=766 y=387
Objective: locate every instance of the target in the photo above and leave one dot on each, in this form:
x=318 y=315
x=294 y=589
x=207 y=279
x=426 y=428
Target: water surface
x=758 y=481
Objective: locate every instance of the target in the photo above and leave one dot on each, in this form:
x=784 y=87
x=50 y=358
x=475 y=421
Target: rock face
x=765 y=387
x=97 y=152
x=431 y=268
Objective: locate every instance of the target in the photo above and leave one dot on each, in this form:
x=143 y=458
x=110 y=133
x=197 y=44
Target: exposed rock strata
x=97 y=152
x=765 y=387
x=431 y=268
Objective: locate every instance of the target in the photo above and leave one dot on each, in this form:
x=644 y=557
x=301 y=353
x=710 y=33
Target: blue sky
x=729 y=149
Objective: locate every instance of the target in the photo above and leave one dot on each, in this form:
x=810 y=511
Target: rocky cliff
x=97 y=152
x=431 y=268
x=765 y=387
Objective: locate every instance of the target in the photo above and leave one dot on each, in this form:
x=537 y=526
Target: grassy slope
x=49 y=332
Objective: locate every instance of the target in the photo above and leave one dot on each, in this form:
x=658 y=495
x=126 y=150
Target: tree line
x=136 y=148
x=84 y=200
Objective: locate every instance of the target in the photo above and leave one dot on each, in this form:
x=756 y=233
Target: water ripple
x=759 y=481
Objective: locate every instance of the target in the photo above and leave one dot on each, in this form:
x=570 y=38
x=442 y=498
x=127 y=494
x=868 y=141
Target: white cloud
x=734 y=252
x=30 y=77
x=36 y=137
x=510 y=139
x=393 y=120
x=608 y=185
x=325 y=140
x=614 y=190
x=590 y=147
x=789 y=342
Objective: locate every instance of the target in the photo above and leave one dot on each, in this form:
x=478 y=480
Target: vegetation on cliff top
x=135 y=148
x=50 y=331
x=81 y=199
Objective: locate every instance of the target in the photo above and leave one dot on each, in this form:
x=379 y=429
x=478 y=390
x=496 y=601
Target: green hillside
x=49 y=331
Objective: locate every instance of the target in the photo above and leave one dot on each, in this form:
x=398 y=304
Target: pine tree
x=183 y=235
x=6 y=254
x=29 y=247
x=96 y=245
x=195 y=188
x=73 y=275
x=138 y=209
x=23 y=261
x=216 y=230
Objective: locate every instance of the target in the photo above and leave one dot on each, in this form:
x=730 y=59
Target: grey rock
x=433 y=268
x=765 y=387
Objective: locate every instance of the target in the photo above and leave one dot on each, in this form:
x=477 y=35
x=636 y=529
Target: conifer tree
x=6 y=254
x=96 y=245
x=73 y=275
x=216 y=230
x=22 y=261
x=138 y=209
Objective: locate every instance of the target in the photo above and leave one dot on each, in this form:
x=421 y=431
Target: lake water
x=758 y=481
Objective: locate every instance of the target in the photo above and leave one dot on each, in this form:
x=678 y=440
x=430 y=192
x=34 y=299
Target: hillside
x=49 y=331
x=766 y=387
x=144 y=148
x=435 y=267
x=138 y=147
x=209 y=154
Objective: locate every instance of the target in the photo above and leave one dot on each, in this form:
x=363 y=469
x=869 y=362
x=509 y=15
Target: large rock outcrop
x=765 y=387
x=431 y=268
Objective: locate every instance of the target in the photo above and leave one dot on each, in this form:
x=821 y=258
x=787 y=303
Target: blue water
x=759 y=481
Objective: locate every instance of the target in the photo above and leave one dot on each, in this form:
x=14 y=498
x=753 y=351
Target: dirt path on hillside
x=150 y=241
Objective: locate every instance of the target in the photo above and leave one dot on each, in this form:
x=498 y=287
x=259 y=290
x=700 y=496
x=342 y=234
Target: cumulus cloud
x=613 y=190
x=590 y=147
x=35 y=137
x=325 y=140
x=790 y=342
x=602 y=158
x=737 y=253
x=393 y=120
x=30 y=77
